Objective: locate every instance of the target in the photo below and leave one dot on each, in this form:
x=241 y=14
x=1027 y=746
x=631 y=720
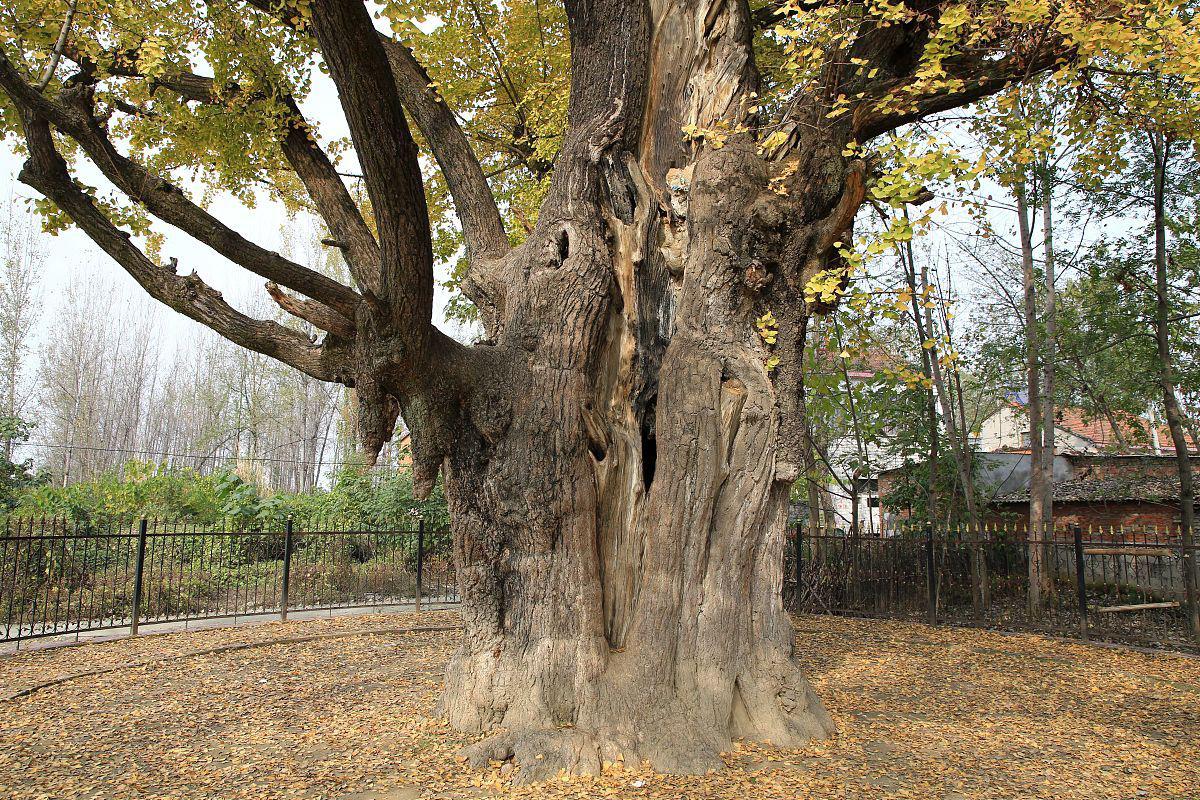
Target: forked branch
x=73 y=115
x=474 y=202
x=392 y=173
x=317 y=314
x=46 y=171
x=330 y=196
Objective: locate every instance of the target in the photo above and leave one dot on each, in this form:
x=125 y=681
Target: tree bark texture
x=620 y=528
x=1039 y=573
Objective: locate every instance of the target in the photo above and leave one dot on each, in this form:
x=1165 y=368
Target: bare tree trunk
x=1046 y=464
x=1189 y=423
x=958 y=443
x=1161 y=147
x=827 y=509
x=910 y=269
x=864 y=460
x=1038 y=574
x=809 y=460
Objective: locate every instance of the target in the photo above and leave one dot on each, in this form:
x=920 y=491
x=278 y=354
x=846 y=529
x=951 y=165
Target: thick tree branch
x=73 y=116
x=360 y=70
x=474 y=202
x=885 y=76
x=312 y=312
x=46 y=171
x=306 y=158
x=893 y=103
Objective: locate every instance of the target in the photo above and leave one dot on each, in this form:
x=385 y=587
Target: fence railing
x=60 y=577
x=1115 y=585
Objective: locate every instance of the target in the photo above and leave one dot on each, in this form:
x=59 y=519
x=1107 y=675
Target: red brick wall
x=1094 y=518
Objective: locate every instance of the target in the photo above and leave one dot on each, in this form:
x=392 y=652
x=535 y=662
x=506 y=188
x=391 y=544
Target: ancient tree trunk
x=619 y=520
x=618 y=455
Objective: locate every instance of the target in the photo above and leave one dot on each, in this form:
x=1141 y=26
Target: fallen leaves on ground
x=923 y=713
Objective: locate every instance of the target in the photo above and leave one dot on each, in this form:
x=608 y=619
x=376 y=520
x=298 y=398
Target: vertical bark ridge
x=622 y=537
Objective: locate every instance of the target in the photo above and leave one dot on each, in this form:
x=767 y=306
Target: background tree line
x=1065 y=277
x=101 y=414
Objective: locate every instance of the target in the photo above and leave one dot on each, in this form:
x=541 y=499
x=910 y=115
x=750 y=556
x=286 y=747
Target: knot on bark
x=756 y=278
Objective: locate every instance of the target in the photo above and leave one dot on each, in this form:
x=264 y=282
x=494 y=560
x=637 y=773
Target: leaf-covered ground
x=923 y=713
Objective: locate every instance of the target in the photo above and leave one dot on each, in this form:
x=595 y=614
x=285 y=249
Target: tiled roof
x=1143 y=488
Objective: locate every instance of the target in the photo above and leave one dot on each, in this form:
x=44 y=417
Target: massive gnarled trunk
x=619 y=497
x=618 y=454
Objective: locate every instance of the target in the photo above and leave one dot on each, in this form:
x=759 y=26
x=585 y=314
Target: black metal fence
x=61 y=577
x=1106 y=584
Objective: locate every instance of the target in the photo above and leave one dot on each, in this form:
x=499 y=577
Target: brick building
x=1075 y=431
x=1092 y=490
x=1104 y=490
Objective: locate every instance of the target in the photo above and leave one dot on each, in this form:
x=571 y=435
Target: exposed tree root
x=773 y=704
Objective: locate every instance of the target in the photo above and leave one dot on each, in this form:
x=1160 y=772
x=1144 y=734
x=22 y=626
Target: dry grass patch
x=923 y=713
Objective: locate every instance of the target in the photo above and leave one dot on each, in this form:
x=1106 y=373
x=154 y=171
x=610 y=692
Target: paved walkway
x=176 y=626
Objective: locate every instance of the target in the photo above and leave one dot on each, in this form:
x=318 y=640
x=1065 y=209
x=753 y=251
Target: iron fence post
x=1187 y=562
x=420 y=560
x=1080 y=584
x=138 y=574
x=285 y=590
x=930 y=576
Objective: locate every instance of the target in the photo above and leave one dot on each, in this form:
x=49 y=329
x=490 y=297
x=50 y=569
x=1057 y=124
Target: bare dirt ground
x=923 y=713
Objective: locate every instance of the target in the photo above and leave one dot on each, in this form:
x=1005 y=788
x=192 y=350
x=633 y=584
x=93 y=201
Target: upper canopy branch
x=392 y=173
x=474 y=203
x=73 y=115
x=46 y=171
x=968 y=78
x=905 y=61
x=306 y=158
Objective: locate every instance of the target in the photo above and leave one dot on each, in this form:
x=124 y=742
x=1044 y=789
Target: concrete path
x=178 y=626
